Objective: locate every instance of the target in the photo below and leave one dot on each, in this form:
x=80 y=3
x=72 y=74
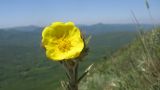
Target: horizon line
x=31 y=25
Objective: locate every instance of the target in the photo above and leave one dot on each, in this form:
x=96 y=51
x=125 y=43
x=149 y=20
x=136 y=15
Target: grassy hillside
x=23 y=65
x=133 y=67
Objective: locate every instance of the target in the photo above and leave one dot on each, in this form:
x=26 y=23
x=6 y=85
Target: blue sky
x=43 y=12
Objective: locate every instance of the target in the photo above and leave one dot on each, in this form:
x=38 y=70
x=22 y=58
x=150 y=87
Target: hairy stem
x=72 y=72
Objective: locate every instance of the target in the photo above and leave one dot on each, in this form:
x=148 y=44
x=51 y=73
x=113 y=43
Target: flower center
x=64 y=45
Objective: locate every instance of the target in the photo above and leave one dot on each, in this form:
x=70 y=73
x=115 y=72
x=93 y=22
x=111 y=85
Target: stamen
x=64 y=45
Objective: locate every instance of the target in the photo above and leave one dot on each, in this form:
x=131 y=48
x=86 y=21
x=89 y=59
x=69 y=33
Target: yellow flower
x=62 y=41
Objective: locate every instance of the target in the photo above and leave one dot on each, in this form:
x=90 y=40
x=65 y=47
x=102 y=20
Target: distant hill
x=32 y=34
x=102 y=28
x=88 y=29
x=23 y=28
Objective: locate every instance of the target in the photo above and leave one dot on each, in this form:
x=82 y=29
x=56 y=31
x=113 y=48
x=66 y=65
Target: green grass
x=133 y=67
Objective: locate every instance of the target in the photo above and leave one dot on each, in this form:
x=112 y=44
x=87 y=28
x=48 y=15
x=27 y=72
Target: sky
x=43 y=12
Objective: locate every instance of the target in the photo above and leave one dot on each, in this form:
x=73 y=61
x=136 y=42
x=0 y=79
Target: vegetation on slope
x=134 y=67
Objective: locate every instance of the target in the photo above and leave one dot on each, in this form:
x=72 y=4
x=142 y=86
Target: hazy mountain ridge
x=102 y=28
x=88 y=29
x=20 y=35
